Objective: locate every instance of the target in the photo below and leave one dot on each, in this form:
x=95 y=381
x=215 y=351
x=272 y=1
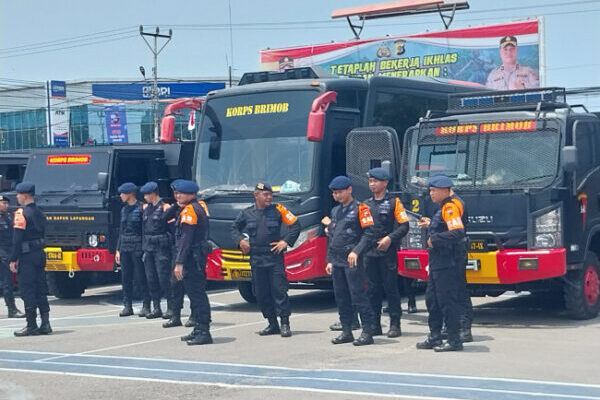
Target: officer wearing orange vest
x=257 y=230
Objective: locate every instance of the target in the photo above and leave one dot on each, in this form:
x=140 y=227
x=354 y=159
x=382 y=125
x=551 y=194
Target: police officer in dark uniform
x=446 y=245
x=6 y=239
x=466 y=314
x=381 y=260
x=191 y=242
x=347 y=241
x=156 y=245
x=129 y=250
x=28 y=260
x=266 y=245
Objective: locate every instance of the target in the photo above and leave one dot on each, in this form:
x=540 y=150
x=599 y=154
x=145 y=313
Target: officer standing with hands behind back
x=446 y=239
x=156 y=245
x=28 y=260
x=129 y=250
x=266 y=245
x=381 y=261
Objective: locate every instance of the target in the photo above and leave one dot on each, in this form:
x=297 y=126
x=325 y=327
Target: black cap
x=506 y=40
x=4 y=198
x=263 y=186
x=25 y=187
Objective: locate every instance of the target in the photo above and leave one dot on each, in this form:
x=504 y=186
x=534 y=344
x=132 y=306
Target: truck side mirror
x=316 y=117
x=569 y=158
x=102 y=180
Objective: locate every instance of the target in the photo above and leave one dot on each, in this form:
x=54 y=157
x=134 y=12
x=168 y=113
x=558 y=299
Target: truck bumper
x=504 y=267
x=80 y=260
x=306 y=263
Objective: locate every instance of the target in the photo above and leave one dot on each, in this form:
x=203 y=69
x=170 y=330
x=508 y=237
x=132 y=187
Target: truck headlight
x=305 y=235
x=93 y=240
x=414 y=239
x=548 y=230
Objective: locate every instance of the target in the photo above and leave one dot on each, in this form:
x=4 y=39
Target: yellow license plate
x=478 y=245
x=54 y=255
x=241 y=274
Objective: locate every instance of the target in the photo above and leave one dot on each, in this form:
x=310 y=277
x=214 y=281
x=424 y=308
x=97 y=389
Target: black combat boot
x=145 y=309
x=168 y=314
x=202 y=336
x=191 y=335
x=431 y=341
x=271 y=329
x=191 y=322
x=455 y=345
x=365 y=338
x=13 y=311
x=344 y=337
x=465 y=335
x=126 y=311
x=156 y=311
x=376 y=329
x=174 y=321
x=394 y=330
x=31 y=329
x=45 y=328
x=412 y=305
x=285 y=327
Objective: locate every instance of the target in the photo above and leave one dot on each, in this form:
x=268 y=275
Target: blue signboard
x=58 y=89
x=143 y=91
x=61 y=140
x=116 y=123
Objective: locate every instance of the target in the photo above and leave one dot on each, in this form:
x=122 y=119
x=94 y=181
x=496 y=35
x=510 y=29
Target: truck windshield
x=249 y=138
x=488 y=155
x=55 y=173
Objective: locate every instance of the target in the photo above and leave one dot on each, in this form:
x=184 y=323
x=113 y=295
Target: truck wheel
x=246 y=291
x=582 y=290
x=63 y=287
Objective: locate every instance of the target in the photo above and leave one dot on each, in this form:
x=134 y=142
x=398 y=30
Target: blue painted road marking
x=376 y=383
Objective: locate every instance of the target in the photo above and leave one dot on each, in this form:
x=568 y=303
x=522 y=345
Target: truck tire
x=581 y=289
x=247 y=292
x=63 y=287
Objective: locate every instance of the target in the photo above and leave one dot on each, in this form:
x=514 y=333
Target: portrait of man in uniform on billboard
x=511 y=75
x=286 y=63
x=115 y=118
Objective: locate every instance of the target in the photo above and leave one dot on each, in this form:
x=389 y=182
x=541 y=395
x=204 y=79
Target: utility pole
x=155 y=51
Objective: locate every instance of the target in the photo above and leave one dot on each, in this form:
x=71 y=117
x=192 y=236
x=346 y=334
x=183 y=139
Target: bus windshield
x=249 y=138
x=485 y=155
x=56 y=173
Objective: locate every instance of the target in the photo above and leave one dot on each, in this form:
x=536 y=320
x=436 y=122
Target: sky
x=83 y=40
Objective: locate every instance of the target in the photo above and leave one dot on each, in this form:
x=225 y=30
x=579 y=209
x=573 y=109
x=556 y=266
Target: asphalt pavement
x=524 y=348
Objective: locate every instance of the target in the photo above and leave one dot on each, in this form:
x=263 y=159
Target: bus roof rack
x=507 y=100
x=272 y=76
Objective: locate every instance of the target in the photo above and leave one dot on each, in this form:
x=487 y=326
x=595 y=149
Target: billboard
x=116 y=124
x=59 y=127
x=143 y=91
x=505 y=56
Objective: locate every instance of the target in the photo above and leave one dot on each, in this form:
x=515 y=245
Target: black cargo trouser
x=194 y=281
x=6 y=280
x=406 y=289
x=158 y=270
x=132 y=268
x=382 y=277
x=443 y=302
x=271 y=288
x=32 y=281
x=466 y=314
x=349 y=286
